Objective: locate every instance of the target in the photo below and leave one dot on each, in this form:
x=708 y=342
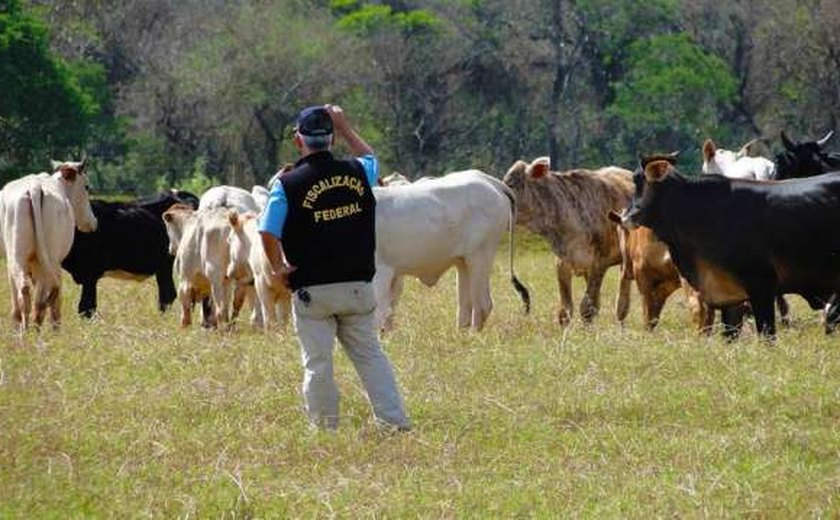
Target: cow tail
x=36 y=198
x=520 y=288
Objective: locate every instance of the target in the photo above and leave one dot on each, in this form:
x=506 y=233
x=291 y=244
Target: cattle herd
x=737 y=238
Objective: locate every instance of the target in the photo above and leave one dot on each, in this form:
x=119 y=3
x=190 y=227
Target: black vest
x=330 y=229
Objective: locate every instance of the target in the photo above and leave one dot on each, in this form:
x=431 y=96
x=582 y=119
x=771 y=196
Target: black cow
x=129 y=242
x=738 y=240
x=804 y=159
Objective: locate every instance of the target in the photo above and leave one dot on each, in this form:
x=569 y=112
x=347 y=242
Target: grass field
x=128 y=416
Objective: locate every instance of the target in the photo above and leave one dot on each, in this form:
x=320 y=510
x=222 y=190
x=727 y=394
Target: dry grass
x=130 y=416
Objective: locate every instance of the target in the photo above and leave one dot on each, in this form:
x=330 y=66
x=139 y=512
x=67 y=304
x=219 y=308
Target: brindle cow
x=569 y=209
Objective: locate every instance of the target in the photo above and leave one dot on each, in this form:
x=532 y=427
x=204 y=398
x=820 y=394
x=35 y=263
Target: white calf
x=249 y=262
x=201 y=259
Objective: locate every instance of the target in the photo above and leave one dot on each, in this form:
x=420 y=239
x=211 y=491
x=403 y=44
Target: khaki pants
x=344 y=310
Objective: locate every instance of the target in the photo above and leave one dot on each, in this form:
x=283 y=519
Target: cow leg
x=87 y=301
x=702 y=315
x=185 y=296
x=832 y=314
x=383 y=282
x=240 y=293
x=208 y=315
x=464 y=294
x=651 y=303
x=165 y=286
x=764 y=310
x=784 y=310
x=41 y=298
x=480 y=266
x=54 y=304
x=622 y=301
x=20 y=301
x=219 y=295
x=256 y=308
x=732 y=318
x=591 y=301
x=564 y=282
x=267 y=303
x=285 y=312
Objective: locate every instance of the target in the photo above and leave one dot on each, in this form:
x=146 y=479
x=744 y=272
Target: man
x=318 y=230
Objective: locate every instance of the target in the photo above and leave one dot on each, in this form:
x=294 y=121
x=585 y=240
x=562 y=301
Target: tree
x=47 y=105
x=672 y=96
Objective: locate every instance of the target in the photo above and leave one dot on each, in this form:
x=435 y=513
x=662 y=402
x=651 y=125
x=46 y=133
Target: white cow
x=736 y=165
x=202 y=254
x=39 y=213
x=228 y=197
x=260 y=195
x=249 y=263
x=423 y=229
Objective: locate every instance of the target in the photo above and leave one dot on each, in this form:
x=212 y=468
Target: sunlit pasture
x=130 y=416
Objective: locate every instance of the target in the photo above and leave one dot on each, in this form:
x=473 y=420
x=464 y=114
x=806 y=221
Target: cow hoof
x=564 y=318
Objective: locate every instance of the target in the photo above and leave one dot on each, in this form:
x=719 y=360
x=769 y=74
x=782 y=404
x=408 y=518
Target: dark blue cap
x=314 y=121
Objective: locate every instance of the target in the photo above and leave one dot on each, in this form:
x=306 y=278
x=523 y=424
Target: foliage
x=434 y=85
x=672 y=94
x=47 y=105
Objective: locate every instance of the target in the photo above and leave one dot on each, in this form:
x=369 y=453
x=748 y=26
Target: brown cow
x=569 y=209
x=648 y=261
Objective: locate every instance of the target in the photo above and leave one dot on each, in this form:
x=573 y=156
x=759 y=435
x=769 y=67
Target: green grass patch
x=130 y=416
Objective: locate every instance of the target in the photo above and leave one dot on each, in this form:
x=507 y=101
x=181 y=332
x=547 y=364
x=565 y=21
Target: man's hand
x=342 y=127
x=280 y=277
x=339 y=120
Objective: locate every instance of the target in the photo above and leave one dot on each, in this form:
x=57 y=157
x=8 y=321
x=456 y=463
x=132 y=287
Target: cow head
x=804 y=159
x=520 y=177
x=716 y=160
x=176 y=219
x=653 y=172
x=73 y=181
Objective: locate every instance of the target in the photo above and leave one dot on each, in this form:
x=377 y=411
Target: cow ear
x=709 y=149
x=657 y=171
x=747 y=148
x=55 y=165
x=539 y=168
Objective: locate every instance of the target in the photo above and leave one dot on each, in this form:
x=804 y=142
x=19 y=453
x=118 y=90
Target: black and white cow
x=130 y=243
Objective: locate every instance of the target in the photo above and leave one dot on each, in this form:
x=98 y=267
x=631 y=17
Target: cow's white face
x=73 y=180
x=175 y=219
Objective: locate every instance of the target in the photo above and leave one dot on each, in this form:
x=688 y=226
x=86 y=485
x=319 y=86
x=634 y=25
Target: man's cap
x=314 y=121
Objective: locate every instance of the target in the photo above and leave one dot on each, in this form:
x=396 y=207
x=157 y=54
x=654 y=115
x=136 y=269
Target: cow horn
x=825 y=139
x=745 y=150
x=790 y=145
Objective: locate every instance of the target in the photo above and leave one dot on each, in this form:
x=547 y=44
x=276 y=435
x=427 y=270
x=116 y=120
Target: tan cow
x=648 y=261
x=249 y=264
x=569 y=209
x=39 y=213
x=200 y=239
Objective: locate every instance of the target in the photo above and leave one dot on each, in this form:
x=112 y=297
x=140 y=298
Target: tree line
x=161 y=93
